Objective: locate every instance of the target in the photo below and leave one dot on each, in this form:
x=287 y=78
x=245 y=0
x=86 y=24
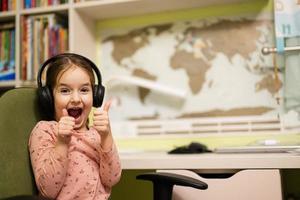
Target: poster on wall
x=217 y=62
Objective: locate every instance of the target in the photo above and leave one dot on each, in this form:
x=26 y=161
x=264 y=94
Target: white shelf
x=48 y=9
x=28 y=84
x=7 y=83
x=7 y=13
x=105 y=9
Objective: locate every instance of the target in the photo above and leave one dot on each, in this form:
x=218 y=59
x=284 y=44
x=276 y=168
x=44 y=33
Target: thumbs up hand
x=66 y=125
x=101 y=120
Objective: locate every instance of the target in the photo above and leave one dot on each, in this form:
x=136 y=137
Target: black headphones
x=45 y=96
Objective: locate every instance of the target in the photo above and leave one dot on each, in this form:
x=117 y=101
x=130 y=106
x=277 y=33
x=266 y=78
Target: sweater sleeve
x=49 y=167
x=110 y=167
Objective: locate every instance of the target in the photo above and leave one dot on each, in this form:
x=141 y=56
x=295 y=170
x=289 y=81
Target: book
x=43 y=36
x=7 y=51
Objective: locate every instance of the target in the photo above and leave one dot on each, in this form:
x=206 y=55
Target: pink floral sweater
x=88 y=172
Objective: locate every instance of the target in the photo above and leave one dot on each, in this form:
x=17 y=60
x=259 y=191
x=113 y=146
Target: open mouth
x=75 y=112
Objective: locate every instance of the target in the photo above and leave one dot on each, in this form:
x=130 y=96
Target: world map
x=217 y=62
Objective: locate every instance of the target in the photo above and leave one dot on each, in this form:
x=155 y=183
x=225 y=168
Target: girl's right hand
x=66 y=126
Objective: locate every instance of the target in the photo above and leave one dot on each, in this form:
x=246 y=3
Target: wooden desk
x=210 y=162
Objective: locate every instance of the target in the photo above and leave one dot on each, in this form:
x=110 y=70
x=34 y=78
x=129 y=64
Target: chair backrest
x=18 y=115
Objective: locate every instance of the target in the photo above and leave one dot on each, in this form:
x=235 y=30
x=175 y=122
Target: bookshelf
x=80 y=18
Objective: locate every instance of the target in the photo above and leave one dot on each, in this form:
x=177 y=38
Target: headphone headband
x=50 y=60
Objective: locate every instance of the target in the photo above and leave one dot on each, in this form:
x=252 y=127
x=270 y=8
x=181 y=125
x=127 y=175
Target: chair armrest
x=173 y=179
x=163 y=183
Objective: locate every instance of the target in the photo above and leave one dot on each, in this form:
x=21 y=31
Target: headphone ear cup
x=98 y=95
x=46 y=101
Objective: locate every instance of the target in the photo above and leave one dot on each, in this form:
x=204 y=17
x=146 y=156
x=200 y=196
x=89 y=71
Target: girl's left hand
x=101 y=120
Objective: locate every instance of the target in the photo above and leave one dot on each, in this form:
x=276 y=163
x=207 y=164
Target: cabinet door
x=243 y=185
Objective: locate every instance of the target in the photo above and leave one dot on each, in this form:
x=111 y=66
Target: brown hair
x=59 y=66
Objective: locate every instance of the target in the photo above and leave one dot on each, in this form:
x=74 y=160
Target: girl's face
x=73 y=91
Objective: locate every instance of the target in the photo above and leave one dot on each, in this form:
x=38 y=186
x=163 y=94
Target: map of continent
x=218 y=62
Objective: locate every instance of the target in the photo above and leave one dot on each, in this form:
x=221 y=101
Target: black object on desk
x=193 y=147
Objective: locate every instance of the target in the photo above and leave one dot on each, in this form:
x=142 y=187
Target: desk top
x=210 y=161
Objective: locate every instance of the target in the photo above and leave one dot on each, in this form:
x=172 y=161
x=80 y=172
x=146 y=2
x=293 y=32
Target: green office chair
x=19 y=114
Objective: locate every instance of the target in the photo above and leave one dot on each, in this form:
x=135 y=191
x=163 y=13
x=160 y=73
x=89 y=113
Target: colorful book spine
x=43 y=36
x=7 y=51
x=40 y=3
x=7 y=5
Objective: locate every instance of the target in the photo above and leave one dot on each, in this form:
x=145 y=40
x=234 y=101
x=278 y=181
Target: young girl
x=69 y=159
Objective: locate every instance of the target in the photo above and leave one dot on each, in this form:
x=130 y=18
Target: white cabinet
x=242 y=185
